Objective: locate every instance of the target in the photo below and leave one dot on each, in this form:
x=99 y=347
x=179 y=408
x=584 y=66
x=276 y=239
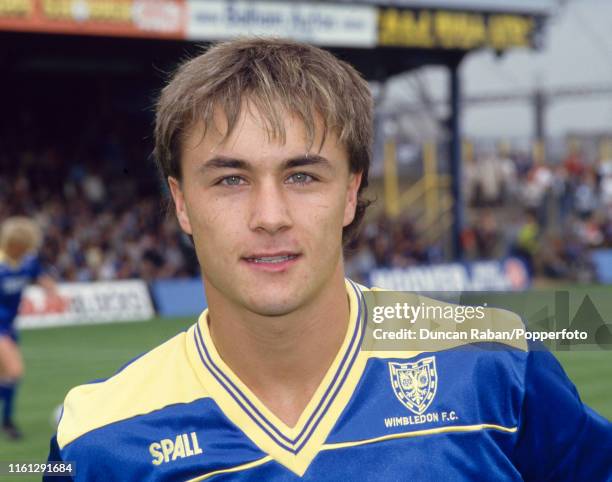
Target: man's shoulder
x=156 y=379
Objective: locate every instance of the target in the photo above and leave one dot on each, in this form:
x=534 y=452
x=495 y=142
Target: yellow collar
x=293 y=447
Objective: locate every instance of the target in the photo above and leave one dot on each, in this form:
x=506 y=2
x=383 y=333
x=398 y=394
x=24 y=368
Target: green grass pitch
x=60 y=358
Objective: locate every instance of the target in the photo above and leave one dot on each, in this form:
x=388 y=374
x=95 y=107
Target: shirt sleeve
x=560 y=438
x=55 y=456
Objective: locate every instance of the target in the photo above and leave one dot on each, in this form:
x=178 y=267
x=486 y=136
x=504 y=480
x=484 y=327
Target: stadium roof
x=516 y=6
x=443 y=25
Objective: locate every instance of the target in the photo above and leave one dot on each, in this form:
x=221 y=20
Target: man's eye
x=300 y=178
x=231 y=181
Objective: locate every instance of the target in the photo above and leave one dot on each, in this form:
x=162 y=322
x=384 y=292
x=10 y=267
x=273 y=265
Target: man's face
x=266 y=217
x=16 y=249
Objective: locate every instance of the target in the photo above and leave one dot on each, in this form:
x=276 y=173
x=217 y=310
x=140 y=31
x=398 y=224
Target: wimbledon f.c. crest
x=415 y=384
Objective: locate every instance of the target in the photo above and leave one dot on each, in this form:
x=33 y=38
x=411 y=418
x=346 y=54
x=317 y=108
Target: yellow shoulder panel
x=157 y=379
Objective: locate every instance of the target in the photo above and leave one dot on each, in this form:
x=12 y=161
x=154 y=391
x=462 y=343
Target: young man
x=265 y=145
x=19 y=239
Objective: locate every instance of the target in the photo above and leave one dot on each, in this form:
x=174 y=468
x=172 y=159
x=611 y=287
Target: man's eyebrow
x=307 y=160
x=224 y=162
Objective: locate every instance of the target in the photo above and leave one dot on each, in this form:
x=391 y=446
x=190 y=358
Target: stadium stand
x=68 y=171
x=100 y=225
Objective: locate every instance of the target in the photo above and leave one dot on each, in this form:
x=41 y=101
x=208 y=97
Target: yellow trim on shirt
x=238 y=468
x=290 y=432
x=298 y=463
x=420 y=433
x=342 y=445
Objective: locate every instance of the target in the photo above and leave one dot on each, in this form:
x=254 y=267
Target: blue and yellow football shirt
x=178 y=413
x=13 y=281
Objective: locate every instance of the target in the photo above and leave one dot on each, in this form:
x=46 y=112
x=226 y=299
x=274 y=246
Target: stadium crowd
x=551 y=214
x=100 y=224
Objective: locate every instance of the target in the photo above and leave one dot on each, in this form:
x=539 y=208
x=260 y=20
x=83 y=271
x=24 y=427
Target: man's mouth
x=278 y=262
x=271 y=259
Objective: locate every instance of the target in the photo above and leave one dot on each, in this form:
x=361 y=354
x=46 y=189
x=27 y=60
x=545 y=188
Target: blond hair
x=276 y=76
x=22 y=230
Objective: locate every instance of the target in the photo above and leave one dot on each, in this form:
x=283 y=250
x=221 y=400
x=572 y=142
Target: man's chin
x=273 y=308
x=274 y=302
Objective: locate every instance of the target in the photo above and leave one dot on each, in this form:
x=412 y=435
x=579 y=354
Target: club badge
x=415 y=384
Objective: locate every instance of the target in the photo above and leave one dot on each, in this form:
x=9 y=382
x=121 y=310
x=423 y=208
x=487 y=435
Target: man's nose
x=269 y=207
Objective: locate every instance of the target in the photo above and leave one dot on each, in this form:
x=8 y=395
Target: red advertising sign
x=123 y=18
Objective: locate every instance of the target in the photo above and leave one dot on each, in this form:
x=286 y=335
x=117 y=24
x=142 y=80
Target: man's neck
x=283 y=359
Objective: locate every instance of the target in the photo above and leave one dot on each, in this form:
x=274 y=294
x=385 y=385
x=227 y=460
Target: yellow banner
x=100 y=10
x=15 y=8
x=453 y=29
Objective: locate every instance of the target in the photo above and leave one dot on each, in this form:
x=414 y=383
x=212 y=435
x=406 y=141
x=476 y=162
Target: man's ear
x=351 y=197
x=179 y=204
